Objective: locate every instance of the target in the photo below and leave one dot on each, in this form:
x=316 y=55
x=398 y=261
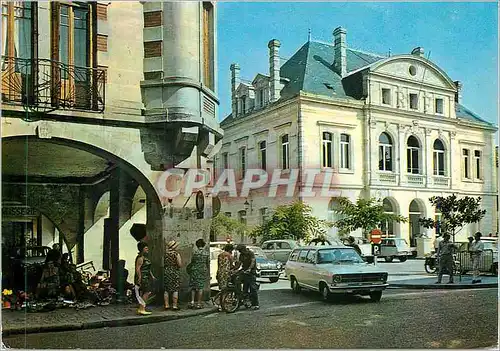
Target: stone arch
x=102 y=207
x=416 y=210
x=129 y=167
x=391 y=230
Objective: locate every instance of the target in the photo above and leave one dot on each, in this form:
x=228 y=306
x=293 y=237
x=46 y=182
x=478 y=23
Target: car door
x=300 y=271
x=311 y=274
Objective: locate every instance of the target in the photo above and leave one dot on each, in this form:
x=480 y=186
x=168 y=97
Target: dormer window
x=414 y=101
x=439 y=106
x=386 y=96
x=243 y=105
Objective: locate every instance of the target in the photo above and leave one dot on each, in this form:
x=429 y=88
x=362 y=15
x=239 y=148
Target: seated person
x=67 y=272
x=49 y=285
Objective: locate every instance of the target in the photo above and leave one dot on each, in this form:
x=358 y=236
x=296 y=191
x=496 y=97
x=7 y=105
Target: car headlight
x=384 y=277
x=337 y=279
x=258 y=265
x=279 y=265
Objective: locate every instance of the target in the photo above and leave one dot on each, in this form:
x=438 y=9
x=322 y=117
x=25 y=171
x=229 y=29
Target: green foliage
x=455 y=213
x=365 y=214
x=223 y=226
x=292 y=221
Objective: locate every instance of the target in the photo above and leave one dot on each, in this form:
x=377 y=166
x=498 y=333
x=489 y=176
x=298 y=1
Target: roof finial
x=309 y=35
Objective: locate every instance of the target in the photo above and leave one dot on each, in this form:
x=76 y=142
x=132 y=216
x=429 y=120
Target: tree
x=226 y=226
x=455 y=213
x=292 y=221
x=365 y=214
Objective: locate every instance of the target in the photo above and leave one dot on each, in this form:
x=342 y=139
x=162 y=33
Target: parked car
x=489 y=258
x=214 y=254
x=266 y=268
x=31 y=255
x=394 y=248
x=334 y=270
x=279 y=250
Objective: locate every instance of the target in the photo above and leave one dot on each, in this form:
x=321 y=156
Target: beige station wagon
x=334 y=270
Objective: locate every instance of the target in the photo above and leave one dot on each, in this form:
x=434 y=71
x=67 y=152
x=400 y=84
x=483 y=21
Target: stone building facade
x=98 y=100
x=393 y=128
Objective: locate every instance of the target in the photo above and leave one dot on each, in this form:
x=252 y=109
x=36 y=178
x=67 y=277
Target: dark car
x=266 y=268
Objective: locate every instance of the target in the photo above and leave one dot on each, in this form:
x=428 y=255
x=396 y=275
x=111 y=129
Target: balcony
x=416 y=180
x=44 y=85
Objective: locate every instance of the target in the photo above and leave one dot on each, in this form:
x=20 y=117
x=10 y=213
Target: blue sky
x=461 y=37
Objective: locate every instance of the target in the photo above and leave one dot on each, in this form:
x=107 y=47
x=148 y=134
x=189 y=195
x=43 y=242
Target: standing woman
x=143 y=277
x=198 y=273
x=172 y=275
x=224 y=268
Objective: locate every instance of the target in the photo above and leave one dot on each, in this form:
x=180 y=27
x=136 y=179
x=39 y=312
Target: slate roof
x=466 y=114
x=310 y=70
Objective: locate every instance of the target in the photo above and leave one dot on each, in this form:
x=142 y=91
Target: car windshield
x=338 y=256
x=257 y=251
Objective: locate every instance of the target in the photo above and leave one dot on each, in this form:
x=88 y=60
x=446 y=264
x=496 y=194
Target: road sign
x=376 y=236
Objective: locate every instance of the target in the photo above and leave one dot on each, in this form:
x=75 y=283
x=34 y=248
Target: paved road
x=403 y=319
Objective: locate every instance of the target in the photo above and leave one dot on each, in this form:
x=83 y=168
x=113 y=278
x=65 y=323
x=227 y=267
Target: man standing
x=445 y=253
x=439 y=238
x=477 y=249
x=249 y=267
x=352 y=243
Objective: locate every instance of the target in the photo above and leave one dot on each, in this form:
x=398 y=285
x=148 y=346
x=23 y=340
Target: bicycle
x=233 y=297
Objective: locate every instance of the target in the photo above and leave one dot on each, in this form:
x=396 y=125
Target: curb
x=441 y=286
x=122 y=322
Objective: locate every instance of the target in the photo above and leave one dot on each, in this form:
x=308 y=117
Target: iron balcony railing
x=46 y=85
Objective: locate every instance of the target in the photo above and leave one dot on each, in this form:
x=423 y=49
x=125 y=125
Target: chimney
x=235 y=81
x=340 y=50
x=458 y=94
x=418 y=51
x=274 y=69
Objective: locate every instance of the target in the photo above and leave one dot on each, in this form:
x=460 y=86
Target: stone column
x=114 y=217
x=80 y=255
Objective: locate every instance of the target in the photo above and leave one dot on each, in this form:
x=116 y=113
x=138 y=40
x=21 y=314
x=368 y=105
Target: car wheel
x=402 y=258
x=294 y=285
x=389 y=259
x=375 y=296
x=325 y=292
x=273 y=280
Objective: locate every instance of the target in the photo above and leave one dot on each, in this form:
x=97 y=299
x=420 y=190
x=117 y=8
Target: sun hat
x=172 y=245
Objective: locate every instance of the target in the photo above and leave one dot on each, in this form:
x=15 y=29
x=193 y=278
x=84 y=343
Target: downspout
x=367 y=139
x=299 y=142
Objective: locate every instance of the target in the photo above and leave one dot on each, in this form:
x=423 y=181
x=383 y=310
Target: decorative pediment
x=413 y=68
x=260 y=80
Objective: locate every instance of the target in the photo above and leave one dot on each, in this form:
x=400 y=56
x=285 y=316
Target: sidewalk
x=21 y=322
x=429 y=282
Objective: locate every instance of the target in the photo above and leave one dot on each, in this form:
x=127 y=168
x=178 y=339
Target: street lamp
x=248 y=205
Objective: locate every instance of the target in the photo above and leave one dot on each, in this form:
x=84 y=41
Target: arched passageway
x=67 y=179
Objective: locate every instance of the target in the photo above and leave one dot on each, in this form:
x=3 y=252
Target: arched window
x=345 y=151
x=385 y=152
x=285 y=152
x=438 y=158
x=387 y=227
x=327 y=149
x=412 y=155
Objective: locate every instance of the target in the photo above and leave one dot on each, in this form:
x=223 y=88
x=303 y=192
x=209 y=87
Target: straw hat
x=172 y=245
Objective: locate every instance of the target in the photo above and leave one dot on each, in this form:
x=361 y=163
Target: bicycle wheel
x=229 y=301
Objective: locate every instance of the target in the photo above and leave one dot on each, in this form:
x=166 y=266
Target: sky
x=460 y=37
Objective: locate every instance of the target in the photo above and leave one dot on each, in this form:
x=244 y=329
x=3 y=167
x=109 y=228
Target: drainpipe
x=299 y=144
